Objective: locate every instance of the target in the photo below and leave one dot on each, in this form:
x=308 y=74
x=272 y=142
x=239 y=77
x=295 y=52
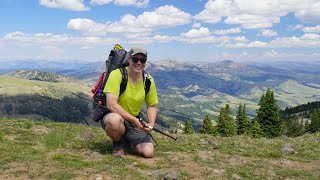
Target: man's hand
x=138 y=124
x=147 y=128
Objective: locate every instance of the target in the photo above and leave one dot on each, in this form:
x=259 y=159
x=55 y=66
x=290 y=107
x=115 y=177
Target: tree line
x=66 y=109
x=269 y=121
x=303 y=110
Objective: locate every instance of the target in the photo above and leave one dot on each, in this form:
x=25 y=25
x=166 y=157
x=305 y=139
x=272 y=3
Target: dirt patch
x=91 y=155
x=20 y=170
x=91 y=174
x=12 y=177
x=84 y=153
x=186 y=163
x=293 y=164
x=166 y=173
x=85 y=137
x=138 y=159
x=11 y=137
x=38 y=129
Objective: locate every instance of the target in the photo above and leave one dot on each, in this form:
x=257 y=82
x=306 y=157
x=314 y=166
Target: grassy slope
x=46 y=150
x=14 y=86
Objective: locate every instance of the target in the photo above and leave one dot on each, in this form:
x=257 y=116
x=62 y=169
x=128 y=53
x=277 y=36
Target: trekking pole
x=141 y=121
x=156 y=130
x=90 y=100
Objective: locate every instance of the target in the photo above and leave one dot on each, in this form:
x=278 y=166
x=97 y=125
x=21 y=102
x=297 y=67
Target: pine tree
x=207 y=127
x=188 y=128
x=268 y=115
x=254 y=129
x=314 y=126
x=242 y=119
x=226 y=125
x=293 y=127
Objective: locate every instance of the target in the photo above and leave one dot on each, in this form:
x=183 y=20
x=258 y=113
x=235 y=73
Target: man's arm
x=113 y=106
x=152 y=114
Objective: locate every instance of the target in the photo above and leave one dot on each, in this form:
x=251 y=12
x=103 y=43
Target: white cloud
x=153 y=39
x=296 y=27
x=255 y=44
x=197 y=33
x=274 y=55
x=306 y=40
x=315 y=29
x=270 y=56
x=162 y=17
x=249 y=21
x=310 y=12
x=73 y=5
x=137 y=3
x=86 y=47
x=196 y=25
x=52 y=49
x=100 y=2
x=241 y=39
x=268 y=33
x=227 y=31
x=88 y=26
x=252 y=14
x=52 y=39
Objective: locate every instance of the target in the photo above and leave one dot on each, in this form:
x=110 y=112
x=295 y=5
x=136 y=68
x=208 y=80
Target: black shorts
x=133 y=136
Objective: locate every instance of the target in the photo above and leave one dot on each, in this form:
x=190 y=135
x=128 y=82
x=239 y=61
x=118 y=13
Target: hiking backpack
x=118 y=59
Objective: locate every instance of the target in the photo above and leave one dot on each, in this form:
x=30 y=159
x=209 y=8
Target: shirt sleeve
x=113 y=83
x=152 y=97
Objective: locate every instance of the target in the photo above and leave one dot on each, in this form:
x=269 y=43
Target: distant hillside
x=199 y=88
x=42 y=100
x=40 y=76
x=302 y=110
x=203 y=88
x=21 y=97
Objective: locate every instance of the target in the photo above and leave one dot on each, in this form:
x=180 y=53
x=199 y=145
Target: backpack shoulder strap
x=146 y=82
x=124 y=81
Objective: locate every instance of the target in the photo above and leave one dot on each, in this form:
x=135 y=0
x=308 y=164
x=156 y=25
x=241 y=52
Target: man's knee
x=146 y=150
x=113 y=120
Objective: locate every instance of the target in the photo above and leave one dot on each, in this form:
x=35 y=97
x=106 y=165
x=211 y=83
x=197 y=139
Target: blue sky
x=183 y=30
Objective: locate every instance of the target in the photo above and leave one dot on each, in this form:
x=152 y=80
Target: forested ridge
x=66 y=109
x=303 y=109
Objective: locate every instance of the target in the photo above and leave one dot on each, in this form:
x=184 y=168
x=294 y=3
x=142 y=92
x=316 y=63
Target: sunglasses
x=142 y=60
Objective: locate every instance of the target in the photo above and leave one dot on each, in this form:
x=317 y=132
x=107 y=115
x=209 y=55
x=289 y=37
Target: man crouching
x=122 y=123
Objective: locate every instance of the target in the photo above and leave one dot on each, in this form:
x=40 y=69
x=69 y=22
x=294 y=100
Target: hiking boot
x=118 y=147
x=117 y=152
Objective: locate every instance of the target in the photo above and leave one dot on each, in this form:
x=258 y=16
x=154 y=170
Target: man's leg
x=145 y=149
x=113 y=125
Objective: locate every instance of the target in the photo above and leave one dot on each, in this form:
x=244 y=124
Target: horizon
x=160 y=60
x=197 y=31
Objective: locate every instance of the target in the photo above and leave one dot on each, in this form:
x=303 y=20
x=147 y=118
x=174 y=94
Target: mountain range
x=197 y=88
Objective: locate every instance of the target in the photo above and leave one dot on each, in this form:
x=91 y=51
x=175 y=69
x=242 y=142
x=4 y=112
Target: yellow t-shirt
x=133 y=97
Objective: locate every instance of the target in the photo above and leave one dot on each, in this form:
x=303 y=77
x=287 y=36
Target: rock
x=93 y=156
x=171 y=173
x=88 y=136
x=218 y=172
x=287 y=149
x=284 y=162
x=236 y=177
x=203 y=142
x=283 y=137
x=215 y=144
x=99 y=177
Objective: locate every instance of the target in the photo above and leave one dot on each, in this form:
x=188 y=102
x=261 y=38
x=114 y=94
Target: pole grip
x=157 y=130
